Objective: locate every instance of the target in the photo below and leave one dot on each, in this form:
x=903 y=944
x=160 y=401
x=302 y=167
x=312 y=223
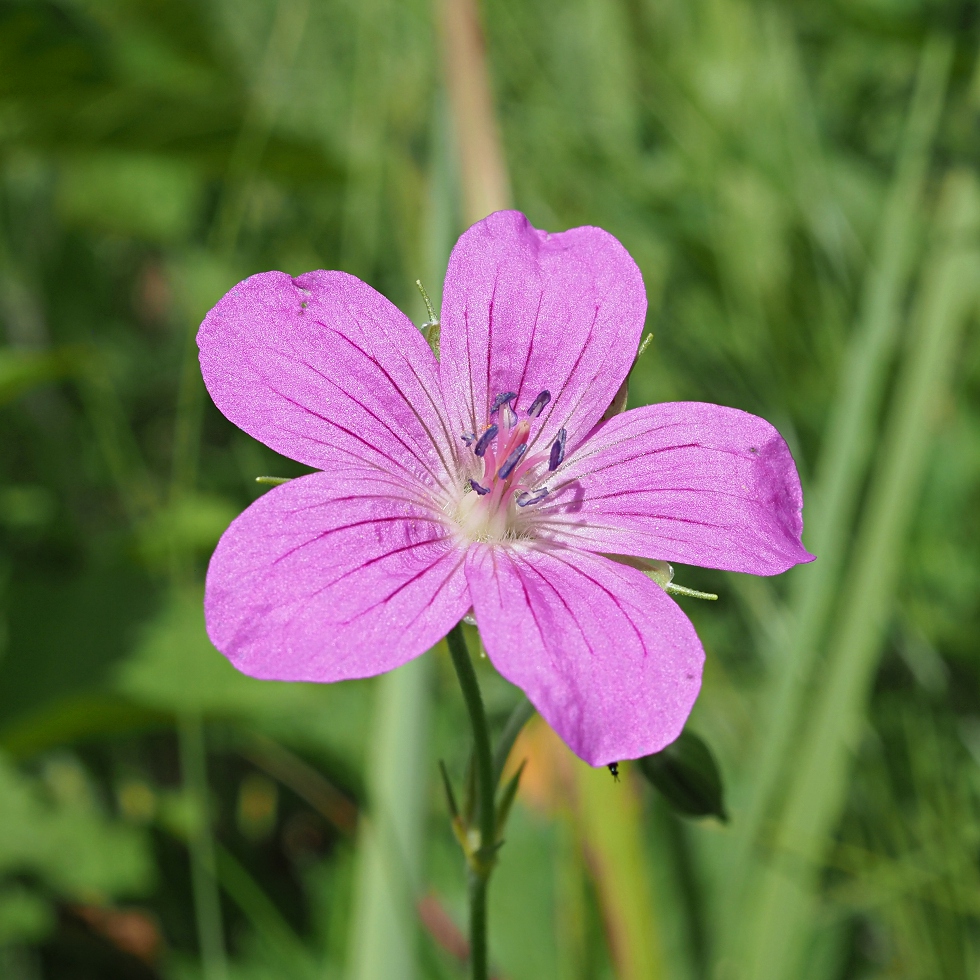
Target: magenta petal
x=602 y=652
x=323 y=581
x=686 y=482
x=525 y=311
x=325 y=370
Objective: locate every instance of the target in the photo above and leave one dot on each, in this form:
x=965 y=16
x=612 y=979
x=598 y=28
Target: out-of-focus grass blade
x=21 y=370
x=369 y=108
x=207 y=903
x=610 y=825
x=507 y=799
x=293 y=958
x=484 y=182
x=948 y=293
x=391 y=838
x=847 y=447
x=82 y=717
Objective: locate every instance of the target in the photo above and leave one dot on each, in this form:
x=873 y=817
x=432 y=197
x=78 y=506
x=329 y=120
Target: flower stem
x=478 y=924
x=481 y=863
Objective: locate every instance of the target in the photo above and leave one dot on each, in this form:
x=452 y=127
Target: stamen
x=508 y=415
x=512 y=460
x=482 y=491
x=481 y=444
x=528 y=497
x=502 y=399
x=557 y=451
x=469 y=438
x=539 y=403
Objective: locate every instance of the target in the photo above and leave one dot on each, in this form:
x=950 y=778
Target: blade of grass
x=258 y=122
x=264 y=917
x=391 y=838
x=847 y=447
x=610 y=828
x=369 y=106
x=261 y=111
x=207 y=903
x=484 y=182
x=949 y=291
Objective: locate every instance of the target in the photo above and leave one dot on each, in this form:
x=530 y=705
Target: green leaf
x=688 y=777
x=24 y=915
x=140 y=194
x=192 y=523
x=54 y=829
x=21 y=370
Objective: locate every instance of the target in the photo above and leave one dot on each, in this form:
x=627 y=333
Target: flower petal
x=683 y=481
x=603 y=653
x=320 y=580
x=524 y=311
x=325 y=370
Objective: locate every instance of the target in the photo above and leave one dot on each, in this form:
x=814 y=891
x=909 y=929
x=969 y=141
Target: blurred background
x=797 y=180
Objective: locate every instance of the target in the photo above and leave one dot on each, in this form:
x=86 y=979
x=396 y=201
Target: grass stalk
x=484 y=182
x=391 y=839
x=610 y=827
x=207 y=901
x=847 y=447
x=948 y=294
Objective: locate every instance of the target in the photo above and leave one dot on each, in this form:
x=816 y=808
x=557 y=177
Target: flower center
x=504 y=479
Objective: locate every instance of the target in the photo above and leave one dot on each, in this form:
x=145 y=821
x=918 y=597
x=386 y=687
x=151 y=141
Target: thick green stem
x=479 y=957
x=482 y=865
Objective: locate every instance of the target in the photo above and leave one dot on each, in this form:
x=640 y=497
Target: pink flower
x=485 y=481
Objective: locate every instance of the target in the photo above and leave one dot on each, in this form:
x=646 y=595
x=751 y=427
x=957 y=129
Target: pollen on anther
x=511 y=461
x=557 y=451
x=484 y=441
x=539 y=403
x=468 y=437
x=481 y=490
x=528 y=497
x=502 y=399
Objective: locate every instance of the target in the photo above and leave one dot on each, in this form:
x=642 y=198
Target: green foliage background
x=797 y=180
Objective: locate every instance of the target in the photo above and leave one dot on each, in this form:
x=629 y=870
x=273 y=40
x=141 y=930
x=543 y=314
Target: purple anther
x=469 y=438
x=481 y=444
x=511 y=461
x=508 y=416
x=529 y=497
x=538 y=405
x=502 y=399
x=482 y=491
x=557 y=451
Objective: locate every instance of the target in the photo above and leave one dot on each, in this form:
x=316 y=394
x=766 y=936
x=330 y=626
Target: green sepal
x=448 y=787
x=688 y=777
x=272 y=481
x=618 y=405
x=672 y=589
x=507 y=799
x=430 y=329
x=432 y=332
x=469 y=797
